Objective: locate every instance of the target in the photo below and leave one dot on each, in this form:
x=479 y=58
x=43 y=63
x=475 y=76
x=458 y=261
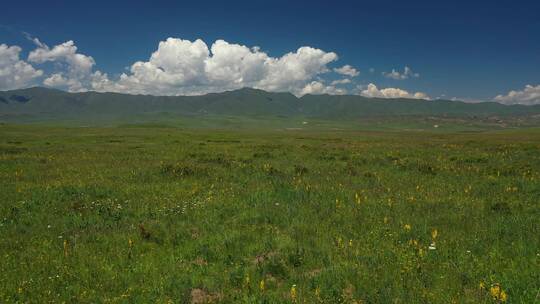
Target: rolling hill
x=43 y=104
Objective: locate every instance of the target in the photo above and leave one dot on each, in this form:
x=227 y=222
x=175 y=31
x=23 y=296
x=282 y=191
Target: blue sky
x=472 y=50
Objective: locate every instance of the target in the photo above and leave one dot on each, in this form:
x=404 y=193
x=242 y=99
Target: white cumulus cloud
x=183 y=67
x=341 y=81
x=373 y=91
x=76 y=68
x=407 y=73
x=235 y=64
x=530 y=95
x=57 y=80
x=293 y=70
x=14 y=72
x=347 y=70
x=318 y=87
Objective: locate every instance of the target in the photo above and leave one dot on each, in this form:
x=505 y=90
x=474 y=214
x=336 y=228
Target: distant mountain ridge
x=48 y=104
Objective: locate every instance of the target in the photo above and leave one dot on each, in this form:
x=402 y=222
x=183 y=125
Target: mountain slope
x=49 y=104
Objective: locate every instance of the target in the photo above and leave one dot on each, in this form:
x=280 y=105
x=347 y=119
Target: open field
x=158 y=214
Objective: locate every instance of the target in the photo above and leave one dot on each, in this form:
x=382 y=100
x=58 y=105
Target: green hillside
x=41 y=104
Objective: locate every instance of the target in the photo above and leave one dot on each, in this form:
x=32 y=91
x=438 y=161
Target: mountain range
x=46 y=104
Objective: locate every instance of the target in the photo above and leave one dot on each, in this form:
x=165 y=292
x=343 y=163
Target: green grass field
x=171 y=215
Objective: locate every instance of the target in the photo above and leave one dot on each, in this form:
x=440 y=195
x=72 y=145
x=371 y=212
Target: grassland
x=159 y=214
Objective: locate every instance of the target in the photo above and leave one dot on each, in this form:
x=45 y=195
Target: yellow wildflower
x=407 y=227
x=293 y=292
x=434 y=234
x=495 y=290
x=503 y=296
x=340 y=242
x=261 y=285
x=497 y=293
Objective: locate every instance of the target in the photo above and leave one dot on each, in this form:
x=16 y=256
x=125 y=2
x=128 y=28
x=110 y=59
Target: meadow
x=160 y=214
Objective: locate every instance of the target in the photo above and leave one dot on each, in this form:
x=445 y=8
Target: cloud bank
x=530 y=95
x=177 y=67
x=184 y=67
x=318 y=87
x=373 y=91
